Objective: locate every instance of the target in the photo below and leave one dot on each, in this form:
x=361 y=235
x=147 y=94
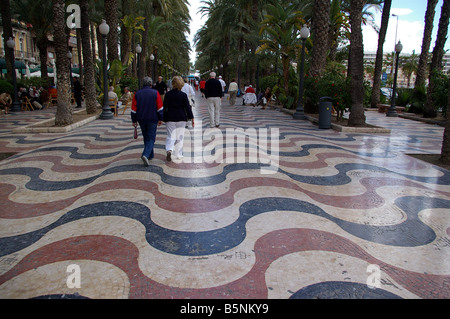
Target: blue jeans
x=149 y=134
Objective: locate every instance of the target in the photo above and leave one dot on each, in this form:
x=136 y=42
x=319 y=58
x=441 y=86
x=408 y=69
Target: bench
x=383 y=108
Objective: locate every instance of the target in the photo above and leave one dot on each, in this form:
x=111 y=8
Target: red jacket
x=147 y=106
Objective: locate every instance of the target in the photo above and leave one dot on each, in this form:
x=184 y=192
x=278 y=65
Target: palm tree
x=111 y=14
x=426 y=41
x=89 y=80
x=5 y=10
x=131 y=24
x=357 y=117
x=64 y=109
x=320 y=29
x=339 y=28
x=165 y=26
x=39 y=14
x=283 y=26
x=436 y=62
x=409 y=66
x=445 y=153
x=375 y=98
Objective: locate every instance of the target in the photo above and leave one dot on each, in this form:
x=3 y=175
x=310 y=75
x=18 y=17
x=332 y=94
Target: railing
x=21 y=55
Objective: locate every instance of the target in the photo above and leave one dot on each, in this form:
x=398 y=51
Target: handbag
x=135 y=133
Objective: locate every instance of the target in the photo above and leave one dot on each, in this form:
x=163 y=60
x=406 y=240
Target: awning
x=18 y=64
x=49 y=70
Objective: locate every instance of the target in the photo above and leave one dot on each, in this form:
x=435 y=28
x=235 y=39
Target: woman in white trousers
x=177 y=111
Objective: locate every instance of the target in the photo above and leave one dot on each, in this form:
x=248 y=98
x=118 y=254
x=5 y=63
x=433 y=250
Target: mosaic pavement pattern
x=341 y=216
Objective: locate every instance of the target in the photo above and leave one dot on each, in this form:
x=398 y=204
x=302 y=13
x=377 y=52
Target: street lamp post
x=152 y=59
x=106 y=110
x=15 y=105
x=138 y=51
x=396 y=32
x=392 y=112
x=300 y=112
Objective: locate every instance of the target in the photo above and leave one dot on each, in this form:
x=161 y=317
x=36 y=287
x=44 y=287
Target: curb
x=64 y=129
x=340 y=128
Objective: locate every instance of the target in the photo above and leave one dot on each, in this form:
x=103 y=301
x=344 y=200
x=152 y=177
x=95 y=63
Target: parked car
x=387 y=92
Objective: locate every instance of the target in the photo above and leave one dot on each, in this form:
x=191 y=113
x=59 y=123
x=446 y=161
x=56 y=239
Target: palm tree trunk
x=375 y=99
x=320 y=29
x=89 y=80
x=42 y=45
x=445 y=153
x=357 y=117
x=93 y=37
x=5 y=10
x=423 y=60
x=64 y=109
x=285 y=61
x=113 y=35
x=80 y=56
x=436 y=62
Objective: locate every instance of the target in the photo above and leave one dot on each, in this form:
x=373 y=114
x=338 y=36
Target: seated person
x=34 y=94
x=265 y=98
x=5 y=102
x=44 y=96
x=250 y=96
x=112 y=98
x=126 y=97
x=23 y=93
x=53 y=92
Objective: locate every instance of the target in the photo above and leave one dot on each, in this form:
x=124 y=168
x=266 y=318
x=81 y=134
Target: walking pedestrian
x=177 y=111
x=147 y=110
x=224 y=85
x=233 y=90
x=187 y=88
x=202 y=87
x=77 y=91
x=213 y=94
x=161 y=87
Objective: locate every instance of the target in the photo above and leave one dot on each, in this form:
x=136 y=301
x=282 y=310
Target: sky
x=196 y=23
x=411 y=17
x=411 y=22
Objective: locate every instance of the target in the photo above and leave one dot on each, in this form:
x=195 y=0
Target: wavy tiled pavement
x=336 y=204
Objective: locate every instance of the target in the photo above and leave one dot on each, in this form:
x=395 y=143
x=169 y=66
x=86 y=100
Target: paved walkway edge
x=34 y=128
x=341 y=128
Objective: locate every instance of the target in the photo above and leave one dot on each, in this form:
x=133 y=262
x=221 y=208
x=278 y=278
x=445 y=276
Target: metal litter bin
x=325 y=107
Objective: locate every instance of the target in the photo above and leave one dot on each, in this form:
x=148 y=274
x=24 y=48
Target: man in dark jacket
x=161 y=87
x=147 y=110
x=213 y=94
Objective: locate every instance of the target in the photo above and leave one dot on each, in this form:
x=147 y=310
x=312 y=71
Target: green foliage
x=403 y=97
x=5 y=86
x=440 y=94
x=130 y=82
x=418 y=99
x=334 y=84
x=33 y=81
x=269 y=81
x=115 y=72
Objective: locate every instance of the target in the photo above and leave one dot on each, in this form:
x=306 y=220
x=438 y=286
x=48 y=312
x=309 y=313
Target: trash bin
x=325 y=107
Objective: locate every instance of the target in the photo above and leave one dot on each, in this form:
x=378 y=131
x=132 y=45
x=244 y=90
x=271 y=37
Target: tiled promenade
x=314 y=214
